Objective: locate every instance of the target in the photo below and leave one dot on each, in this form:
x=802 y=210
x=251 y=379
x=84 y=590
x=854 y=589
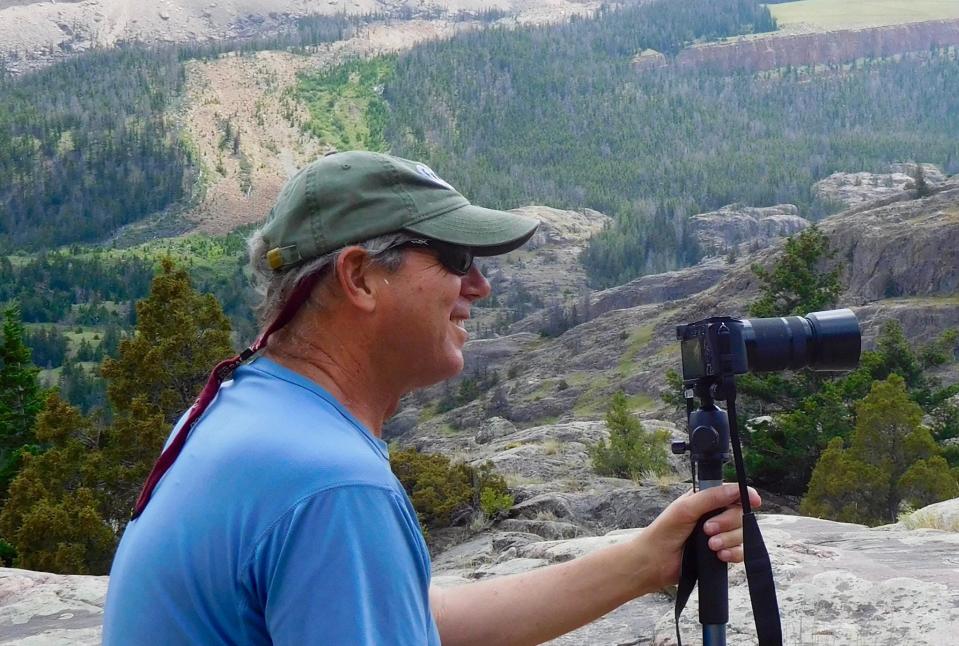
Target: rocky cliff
x=766 y=52
x=856 y=189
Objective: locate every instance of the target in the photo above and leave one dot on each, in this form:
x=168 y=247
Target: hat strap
x=220 y=373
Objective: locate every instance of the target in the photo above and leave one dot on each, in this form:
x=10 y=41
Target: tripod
x=708 y=448
x=710 y=432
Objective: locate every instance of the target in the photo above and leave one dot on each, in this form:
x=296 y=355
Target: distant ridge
x=766 y=52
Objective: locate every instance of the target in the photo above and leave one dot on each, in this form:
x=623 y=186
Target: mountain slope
x=36 y=33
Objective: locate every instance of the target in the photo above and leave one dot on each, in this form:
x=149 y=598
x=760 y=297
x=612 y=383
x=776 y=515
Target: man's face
x=425 y=309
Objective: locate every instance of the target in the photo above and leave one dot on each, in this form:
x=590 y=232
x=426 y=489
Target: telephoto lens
x=823 y=341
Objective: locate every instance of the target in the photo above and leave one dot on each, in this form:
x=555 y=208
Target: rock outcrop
x=855 y=189
x=649 y=59
x=906 y=249
x=740 y=227
x=37 y=33
x=40 y=609
x=837 y=583
x=546 y=270
x=766 y=52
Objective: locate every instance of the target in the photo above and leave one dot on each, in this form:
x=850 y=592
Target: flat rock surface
x=837 y=584
x=50 y=609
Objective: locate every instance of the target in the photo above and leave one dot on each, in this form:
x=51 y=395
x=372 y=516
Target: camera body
x=823 y=341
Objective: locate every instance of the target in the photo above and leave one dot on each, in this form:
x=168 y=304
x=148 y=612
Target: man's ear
x=355 y=278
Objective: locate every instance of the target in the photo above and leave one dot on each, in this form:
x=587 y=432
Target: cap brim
x=487 y=231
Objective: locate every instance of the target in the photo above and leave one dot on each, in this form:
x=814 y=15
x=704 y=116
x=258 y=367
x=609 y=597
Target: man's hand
x=663 y=540
x=536 y=606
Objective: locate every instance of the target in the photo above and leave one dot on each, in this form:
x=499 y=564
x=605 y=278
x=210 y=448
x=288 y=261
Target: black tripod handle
x=713 y=578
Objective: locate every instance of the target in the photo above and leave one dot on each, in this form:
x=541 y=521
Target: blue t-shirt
x=280 y=522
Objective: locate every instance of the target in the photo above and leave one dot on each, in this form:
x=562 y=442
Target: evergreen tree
x=53 y=516
x=845 y=489
x=21 y=397
x=797 y=284
x=68 y=505
x=180 y=336
x=807 y=411
x=632 y=452
x=922 y=186
x=156 y=375
x=892 y=459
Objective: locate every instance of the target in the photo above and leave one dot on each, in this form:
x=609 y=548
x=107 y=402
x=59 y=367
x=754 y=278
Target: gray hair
x=273 y=287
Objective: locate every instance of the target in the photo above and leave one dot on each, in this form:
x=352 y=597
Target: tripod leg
x=713 y=583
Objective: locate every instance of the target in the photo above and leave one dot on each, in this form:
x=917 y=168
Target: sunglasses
x=455 y=258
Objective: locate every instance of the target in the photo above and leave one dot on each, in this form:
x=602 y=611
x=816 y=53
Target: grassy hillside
x=846 y=14
x=346 y=109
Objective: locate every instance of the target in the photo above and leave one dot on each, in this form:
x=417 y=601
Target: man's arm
x=537 y=606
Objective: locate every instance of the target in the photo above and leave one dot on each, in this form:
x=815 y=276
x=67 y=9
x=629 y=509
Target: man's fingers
x=716 y=497
x=731 y=555
x=726 y=540
x=729 y=519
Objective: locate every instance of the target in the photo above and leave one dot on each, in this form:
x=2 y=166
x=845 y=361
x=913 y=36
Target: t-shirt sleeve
x=344 y=566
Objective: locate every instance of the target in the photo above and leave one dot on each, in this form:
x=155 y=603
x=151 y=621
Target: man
x=272 y=515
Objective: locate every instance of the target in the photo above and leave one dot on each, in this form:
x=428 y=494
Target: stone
x=854 y=189
x=550 y=530
x=494 y=427
x=744 y=227
x=771 y=51
x=40 y=608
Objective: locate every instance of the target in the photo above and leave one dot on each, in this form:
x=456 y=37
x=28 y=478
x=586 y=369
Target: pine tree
x=69 y=505
x=782 y=452
x=157 y=374
x=845 y=489
x=632 y=452
x=892 y=459
x=53 y=516
x=180 y=336
x=797 y=283
x=922 y=186
x=21 y=397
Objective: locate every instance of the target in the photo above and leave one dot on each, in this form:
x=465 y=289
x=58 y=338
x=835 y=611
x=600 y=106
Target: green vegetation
x=72 y=498
x=891 y=459
x=797 y=285
x=79 y=302
x=47 y=286
x=809 y=411
x=632 y=451
x=88 y=142
x=21 y=398
x=829 y=14
x=445 y=492
x=638 y=339
x=346 y=109
x=559 y=115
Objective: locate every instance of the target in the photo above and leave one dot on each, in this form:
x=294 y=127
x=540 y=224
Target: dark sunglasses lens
x=457 y=259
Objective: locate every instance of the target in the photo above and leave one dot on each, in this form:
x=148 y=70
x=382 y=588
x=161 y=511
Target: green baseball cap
x=345 y=198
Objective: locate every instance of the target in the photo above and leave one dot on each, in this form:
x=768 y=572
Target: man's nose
x=474 y=285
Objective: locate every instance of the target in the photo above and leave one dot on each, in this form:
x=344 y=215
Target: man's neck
x=342 y=373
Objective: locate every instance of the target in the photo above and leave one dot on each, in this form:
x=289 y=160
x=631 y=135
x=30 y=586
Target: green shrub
x=632 y=451
x=443 y=491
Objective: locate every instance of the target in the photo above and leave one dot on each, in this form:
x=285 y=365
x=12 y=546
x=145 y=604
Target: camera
x=822 y=341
